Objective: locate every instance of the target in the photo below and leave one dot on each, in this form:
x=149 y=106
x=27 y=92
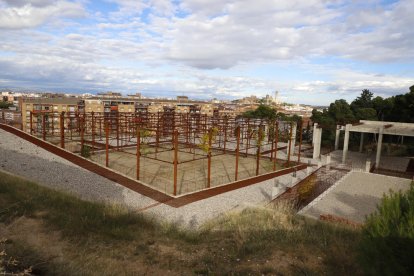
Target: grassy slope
x=56 y=233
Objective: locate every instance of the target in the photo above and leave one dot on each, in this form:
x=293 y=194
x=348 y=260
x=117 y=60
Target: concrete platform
x=354 y=196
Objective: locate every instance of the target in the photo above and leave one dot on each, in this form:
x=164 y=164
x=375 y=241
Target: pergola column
x=337 y=133
x=293 y=139
x=317 y=143
x=346 y=142
x=379 y=147
x=315 y=126
x=361 y=142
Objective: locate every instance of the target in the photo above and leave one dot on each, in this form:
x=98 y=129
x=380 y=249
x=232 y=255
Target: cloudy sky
x=312 y=51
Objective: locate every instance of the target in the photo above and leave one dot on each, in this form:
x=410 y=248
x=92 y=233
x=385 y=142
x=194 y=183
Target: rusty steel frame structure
x=167 y=131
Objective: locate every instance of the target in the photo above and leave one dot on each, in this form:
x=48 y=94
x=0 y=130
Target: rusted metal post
x=117 y=131
x=276 y=138
x=77 y=121
x=82 y=132
x=248 y=136
x=210 y=137
x=100 y=128
x=62 y=129
x=157 y=139
x=128 y=129
x=107 y=144
x=289 y=144
x=272 y=145
x=44 y=126
x=53 y=124
x=71 y=126
x=225 y=134
x=300 y=138
x=138 y=150
x=237 y=153
x=259 y=143
x=93 y=132
x=187 y=136
x=175 y=160
x=31 y=123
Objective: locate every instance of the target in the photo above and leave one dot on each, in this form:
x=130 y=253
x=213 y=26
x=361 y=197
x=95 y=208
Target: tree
x=341 y=112
x=366 y=114
x=5 y=104
x=363 y=101
x=261 y=112
x=327 y=122
x=403 y=108
x=382 y=107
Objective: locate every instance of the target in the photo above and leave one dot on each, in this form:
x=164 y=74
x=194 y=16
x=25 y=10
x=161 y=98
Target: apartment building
x=10 y=97
x=51 y=107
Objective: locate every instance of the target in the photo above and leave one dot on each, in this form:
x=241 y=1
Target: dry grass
x=9 y=265
x=56 y=233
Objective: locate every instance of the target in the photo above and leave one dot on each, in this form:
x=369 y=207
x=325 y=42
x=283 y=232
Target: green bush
x=387 y=246
x=86 y=151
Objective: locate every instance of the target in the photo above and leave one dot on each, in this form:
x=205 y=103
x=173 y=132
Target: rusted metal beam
x=31 y=123
x=139 y=187
x=276 y=142
x=82 y=131
x=272 y=145
x=100 y=129
x=289 y=144
x=53 y=124
x=62 y=130
x=138 y=153
x=93 y=132
x=175 y=160
x=107 y=144
x=225 y=133
x=259 y=142
x=300 y=138
x=44 y=126
x=117 y=131
x=210 y=138
x=236 y=173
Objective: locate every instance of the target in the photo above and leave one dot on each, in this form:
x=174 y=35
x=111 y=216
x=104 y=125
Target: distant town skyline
x=313 y=52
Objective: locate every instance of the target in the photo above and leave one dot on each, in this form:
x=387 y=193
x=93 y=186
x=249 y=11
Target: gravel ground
x=355 y=196
x=22 y=158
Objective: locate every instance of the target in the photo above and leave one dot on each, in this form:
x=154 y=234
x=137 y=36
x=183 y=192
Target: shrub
x=388 y=236
x=86 y=151
x=307 y=188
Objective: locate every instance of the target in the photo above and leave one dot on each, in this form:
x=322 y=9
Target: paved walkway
x=355 y=196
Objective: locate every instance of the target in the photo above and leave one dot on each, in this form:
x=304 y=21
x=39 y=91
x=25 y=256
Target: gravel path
x=22 y=158
x=30 y=161
x=355 y=196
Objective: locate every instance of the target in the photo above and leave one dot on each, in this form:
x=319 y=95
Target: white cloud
x=222 y=36
x=168 y=47
x=219 y=35
x=29 y=14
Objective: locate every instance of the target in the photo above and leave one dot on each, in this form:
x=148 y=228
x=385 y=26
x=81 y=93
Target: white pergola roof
x=390 y=128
